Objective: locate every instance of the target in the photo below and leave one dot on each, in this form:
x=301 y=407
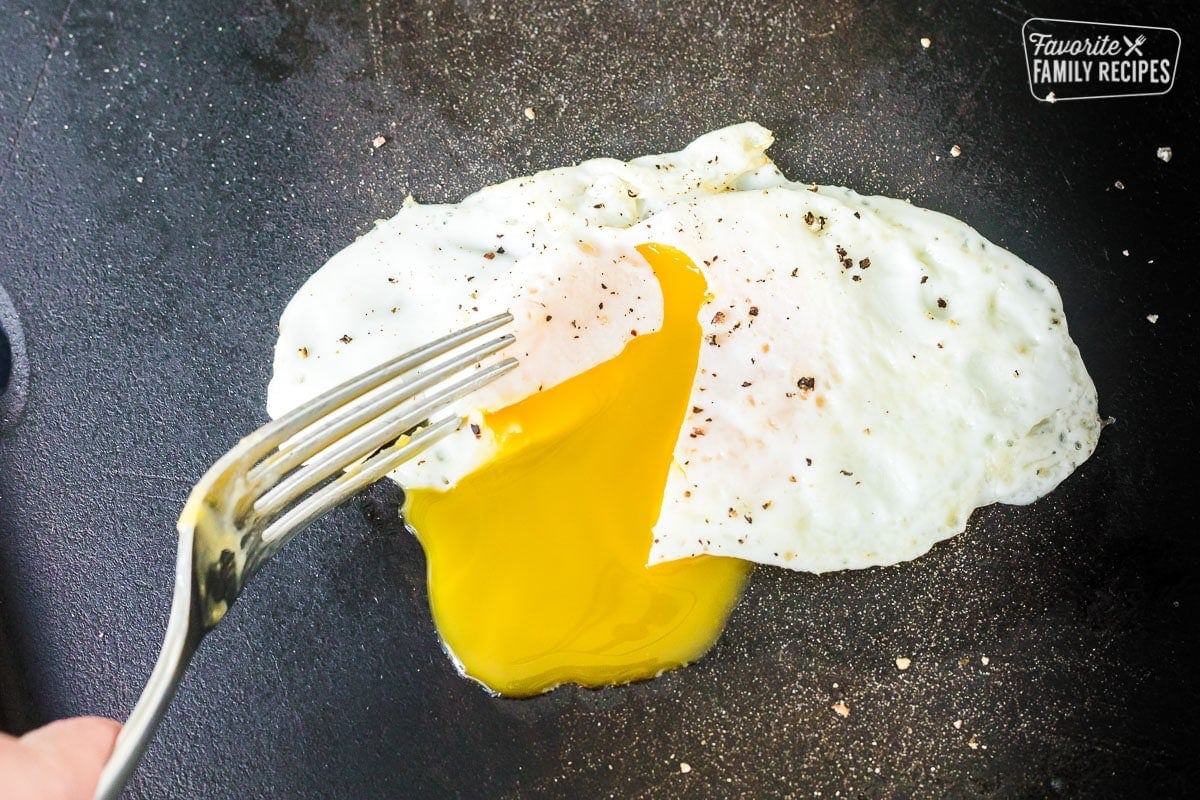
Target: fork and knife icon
x=1134 y=47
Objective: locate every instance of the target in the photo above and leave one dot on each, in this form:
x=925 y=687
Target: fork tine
x=355 y=480
x=340 y=451
x=362 y=410
x=273 y=434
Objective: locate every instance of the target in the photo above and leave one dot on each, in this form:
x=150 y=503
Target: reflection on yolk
x=537 y=570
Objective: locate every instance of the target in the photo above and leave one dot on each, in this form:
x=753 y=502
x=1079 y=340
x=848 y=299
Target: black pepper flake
x=303 y=352
x=841 y=251
x=549 y=317
x=806 y=384
x=346 y=338
x=393 y=280
x=807 y=461
x=864 y=263
x=845 y=472
x=489 y=255
x=754 y=311
x=697 y=409
x=795 y=272
x=598 y=205
x=924 y=278
x=746 y=384
x=602 y=306
x=857 y=215
x=499 y=251
x=633 y=331
x=718 y=318
x=856 y=278
x=749 y=519
x=475 y=429
x=847 y=263
x=941 y=302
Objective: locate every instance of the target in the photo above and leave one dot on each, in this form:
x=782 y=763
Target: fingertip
x=79 y=735
x=74 y=751
x=98 y=729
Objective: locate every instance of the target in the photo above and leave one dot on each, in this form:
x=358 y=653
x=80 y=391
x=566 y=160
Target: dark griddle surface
x=170 y=173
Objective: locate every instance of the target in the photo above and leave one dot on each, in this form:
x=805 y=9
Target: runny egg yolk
x=537 y=560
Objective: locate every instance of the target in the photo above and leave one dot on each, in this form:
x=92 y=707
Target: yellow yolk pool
x=537 y=561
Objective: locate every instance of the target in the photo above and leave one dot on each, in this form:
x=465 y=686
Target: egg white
x=841 y=416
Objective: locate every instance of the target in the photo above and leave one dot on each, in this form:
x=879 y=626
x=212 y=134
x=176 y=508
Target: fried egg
x=719 y=367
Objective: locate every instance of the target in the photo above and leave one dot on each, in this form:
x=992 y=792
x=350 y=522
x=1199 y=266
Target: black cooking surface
x=172 y=171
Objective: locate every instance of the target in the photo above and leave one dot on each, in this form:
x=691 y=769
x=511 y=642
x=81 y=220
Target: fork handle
x=179 y=644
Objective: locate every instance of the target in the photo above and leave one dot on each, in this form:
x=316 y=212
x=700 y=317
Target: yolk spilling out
x=537 y=560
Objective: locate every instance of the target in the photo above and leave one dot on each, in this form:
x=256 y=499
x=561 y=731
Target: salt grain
x=955 y=151
x=1165 y=153
x=903 y=663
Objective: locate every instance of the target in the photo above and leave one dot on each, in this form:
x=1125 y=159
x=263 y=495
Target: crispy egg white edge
x=436 y=268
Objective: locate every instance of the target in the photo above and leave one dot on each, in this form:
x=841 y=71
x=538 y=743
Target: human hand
x=59 y=761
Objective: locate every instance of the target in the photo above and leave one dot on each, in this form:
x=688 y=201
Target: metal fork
x=282 y=477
